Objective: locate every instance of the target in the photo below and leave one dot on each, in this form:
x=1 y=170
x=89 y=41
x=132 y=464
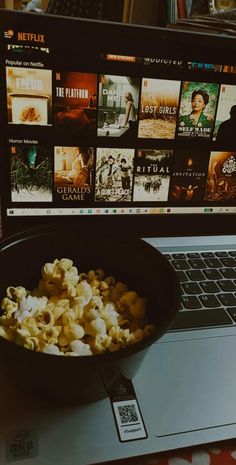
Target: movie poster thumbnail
x=221 y=177
x=225 y=123
x=29 y=96
x=158 y=108
x=73 y=168
x=196 y=65
x=114 y=174
x=31 y=173
x=229 y=69
x=75 y=102
x=118 y=106
x=197 y=109
x=152 y=175
x=188 y=176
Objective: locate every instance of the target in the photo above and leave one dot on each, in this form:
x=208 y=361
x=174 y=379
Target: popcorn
x=79 y=348
x=97 y=326
x=72 y=314
x=84 y=292
x=51 y=349
x=101 y=343
x=4 y=332
x=16 y=293
x=74 y=331
x=110 y=315
x=28 y=306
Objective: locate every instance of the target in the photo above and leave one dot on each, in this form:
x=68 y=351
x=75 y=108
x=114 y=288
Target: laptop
x=128 y=129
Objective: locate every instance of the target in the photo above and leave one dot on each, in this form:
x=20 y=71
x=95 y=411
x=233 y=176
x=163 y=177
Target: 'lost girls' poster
x=152 y=175
x=221 y=177
x=31 y=173
x=75 y=103
x=73 y=168
x=197 y=109
x=158 y=109
x=114 y=174
x=29 y=96
x=188 y=176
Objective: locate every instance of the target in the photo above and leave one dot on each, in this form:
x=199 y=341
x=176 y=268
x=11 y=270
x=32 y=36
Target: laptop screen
x=116 y=126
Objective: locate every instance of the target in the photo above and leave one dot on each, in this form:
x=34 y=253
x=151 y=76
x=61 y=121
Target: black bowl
x=85 y=378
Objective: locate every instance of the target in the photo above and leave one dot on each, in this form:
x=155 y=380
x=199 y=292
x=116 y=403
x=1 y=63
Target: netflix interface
x=94 y=131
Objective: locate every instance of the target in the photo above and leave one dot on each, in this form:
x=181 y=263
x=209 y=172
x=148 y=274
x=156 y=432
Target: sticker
x=21 y=445
x=126 y=411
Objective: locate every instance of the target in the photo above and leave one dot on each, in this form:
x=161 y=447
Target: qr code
x=128 y=413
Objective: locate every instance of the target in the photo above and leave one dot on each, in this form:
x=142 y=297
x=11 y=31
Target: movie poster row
x=86 y=105
x=84 y=175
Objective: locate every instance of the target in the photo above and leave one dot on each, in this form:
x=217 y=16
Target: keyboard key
x=228 y=262
x=212 y=274
x=207 y=254
x=233 y=253
x=197 y=263
x=221 y=254
x=209 y=287
x=190 y=302
x=227 y=285
x=191 y=288
x=196 y=275
x=213 y=263
x=201 y=318
x=209 y=301
x=228 y=273
x=193 y=255
x=178 y=256
x=228 y=299
x=181 y=276
x=180 y=264
x=232 y=312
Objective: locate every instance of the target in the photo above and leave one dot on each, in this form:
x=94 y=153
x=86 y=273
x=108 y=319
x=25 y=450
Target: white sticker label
x=129 y=421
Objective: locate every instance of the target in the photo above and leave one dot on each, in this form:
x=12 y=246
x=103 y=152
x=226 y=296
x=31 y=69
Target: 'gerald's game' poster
x=158 y=108
x=197 y=109
x=73 y=167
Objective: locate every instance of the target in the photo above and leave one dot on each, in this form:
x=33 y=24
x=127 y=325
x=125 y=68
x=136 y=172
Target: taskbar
x=34 y=211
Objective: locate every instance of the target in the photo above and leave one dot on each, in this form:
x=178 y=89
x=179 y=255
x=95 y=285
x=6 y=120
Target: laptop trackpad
x=192 y=384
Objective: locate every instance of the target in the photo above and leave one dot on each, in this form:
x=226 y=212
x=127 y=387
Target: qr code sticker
x=128 y=413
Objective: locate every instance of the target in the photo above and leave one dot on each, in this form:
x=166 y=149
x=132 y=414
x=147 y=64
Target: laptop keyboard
x=208 y=284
